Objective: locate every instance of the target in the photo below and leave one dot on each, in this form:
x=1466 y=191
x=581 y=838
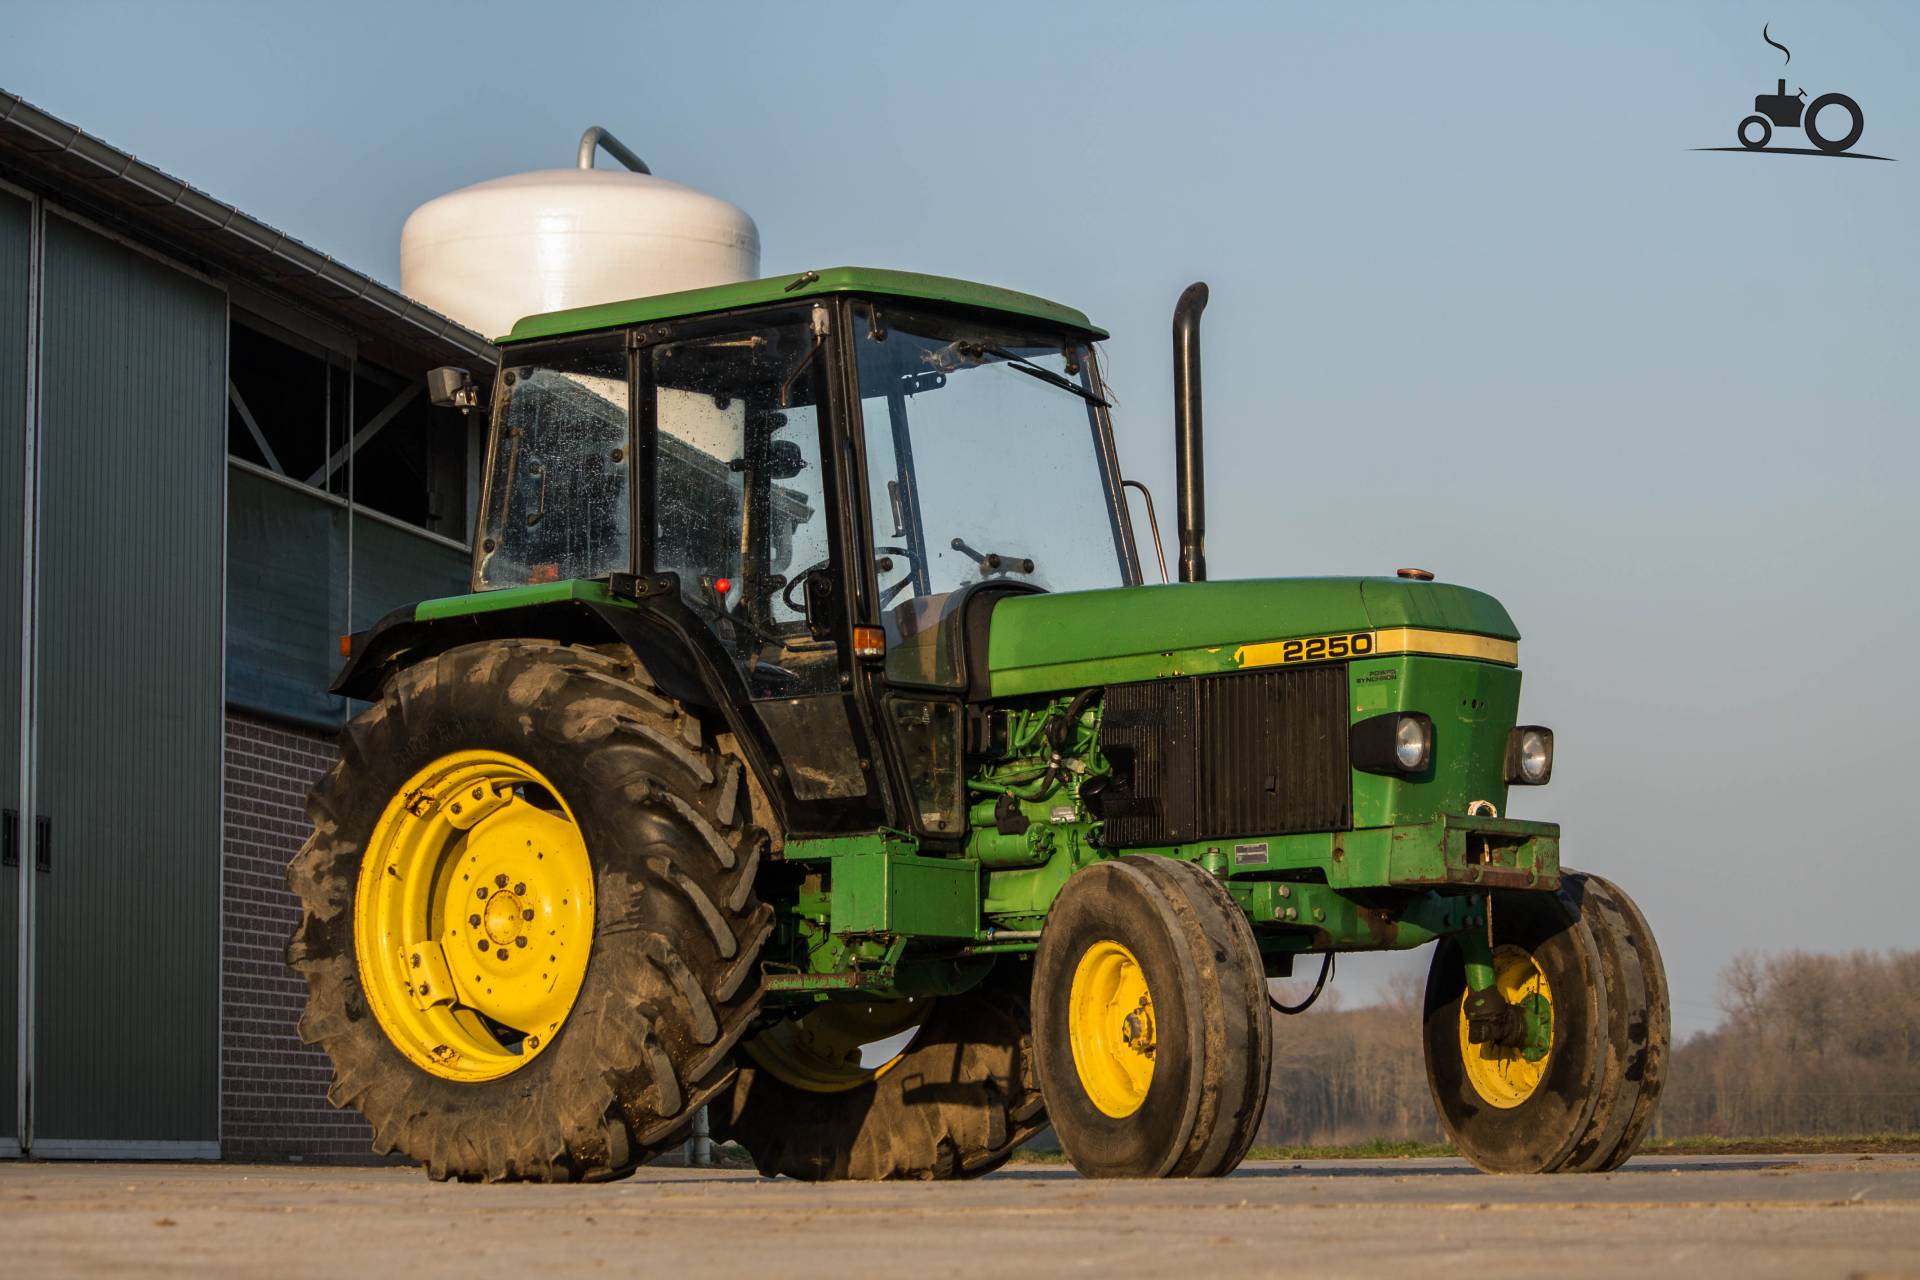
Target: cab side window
x=740 y=511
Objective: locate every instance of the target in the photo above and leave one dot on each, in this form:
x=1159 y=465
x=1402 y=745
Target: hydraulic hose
x=1326 y=971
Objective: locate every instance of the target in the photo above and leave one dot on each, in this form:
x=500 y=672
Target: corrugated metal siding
x=132 y=447
x=14 y=248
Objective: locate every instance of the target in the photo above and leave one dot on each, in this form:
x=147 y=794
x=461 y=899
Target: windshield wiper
x=1045 y=375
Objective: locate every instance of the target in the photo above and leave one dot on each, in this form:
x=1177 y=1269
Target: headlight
x=1412 y=743
x=1530 y=756
x=1398 y=742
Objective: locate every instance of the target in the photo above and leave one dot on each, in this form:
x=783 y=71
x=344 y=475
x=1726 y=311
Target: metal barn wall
x=128 y=700
x=15 y=247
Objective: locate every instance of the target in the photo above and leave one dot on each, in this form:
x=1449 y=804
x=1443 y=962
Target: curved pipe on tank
x=1189 y=466
x=598 y=138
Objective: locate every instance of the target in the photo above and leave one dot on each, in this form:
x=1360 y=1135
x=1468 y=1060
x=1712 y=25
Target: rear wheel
x=1573 y=1088
x=1856 y=122
x=529 y=931
x=953 y=1101
x=1152 y=1030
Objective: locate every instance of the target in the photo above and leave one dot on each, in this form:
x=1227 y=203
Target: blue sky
x=1477 y=307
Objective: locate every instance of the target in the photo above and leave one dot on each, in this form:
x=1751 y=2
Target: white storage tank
x=488 y=254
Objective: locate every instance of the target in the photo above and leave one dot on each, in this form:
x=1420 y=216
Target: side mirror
x=822 y=599
x=451 y=388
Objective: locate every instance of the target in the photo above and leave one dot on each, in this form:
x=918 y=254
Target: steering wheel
x=799 y=580
x=889 y=594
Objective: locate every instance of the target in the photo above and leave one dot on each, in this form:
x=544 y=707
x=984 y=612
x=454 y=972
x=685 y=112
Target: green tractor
x=810 y=750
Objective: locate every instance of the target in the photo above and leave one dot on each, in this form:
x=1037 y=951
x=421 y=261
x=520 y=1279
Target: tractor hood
x=1041 y=643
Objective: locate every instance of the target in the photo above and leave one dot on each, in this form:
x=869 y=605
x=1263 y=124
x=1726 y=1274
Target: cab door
x=737 y=419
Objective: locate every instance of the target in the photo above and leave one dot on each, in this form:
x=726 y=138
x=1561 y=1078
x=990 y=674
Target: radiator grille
x=1257 y=753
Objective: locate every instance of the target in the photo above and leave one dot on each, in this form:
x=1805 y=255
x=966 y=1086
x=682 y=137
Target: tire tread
x=645 y=1057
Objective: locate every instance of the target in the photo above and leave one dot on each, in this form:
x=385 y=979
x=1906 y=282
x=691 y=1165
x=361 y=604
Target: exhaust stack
x=1189 y=466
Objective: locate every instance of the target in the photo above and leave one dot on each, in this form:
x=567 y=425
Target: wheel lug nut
x=500 y=881
x=519 y=942
x=483 y=946
x=519 y=890
x=527 y=913
x=473 y=922
x=480 y=892
x=477 y=793
x=501 y=954
x=414 y=959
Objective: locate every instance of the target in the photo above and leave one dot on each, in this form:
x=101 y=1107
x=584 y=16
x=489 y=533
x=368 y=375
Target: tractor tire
x=955 y=1103
x=1581 y=1100
x=1649 y=1025
x=642 y=855
x=1856 y=122
x=1151 y=1024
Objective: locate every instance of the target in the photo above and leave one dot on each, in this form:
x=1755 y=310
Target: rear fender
x=401 y=639
x=669 y=642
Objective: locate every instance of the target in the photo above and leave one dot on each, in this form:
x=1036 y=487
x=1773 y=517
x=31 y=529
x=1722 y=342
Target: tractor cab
x=825 y=469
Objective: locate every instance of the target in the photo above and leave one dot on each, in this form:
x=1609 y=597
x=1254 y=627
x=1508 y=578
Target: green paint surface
x=812 y=284
x=1313 y=917
x=1474 y=706
x=822 y=848
x=514 y=598
x=878 y=885
x=1075 y=639
x=1448 y=850
x=893 y=893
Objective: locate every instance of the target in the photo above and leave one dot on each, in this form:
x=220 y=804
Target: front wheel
x=1150 y=1020
x=1750 y=140
x=1573 y=1088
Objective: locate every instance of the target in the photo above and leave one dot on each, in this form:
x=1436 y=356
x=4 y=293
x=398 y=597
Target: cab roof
x=806 y=284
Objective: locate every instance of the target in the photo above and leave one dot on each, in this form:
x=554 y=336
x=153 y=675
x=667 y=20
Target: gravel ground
x=1750 y=1216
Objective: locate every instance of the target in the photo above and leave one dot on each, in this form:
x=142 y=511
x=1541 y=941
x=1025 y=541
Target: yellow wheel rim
x=820 y=1051
x=1110 y=1025
x=1502 y=1075
x=473 y=918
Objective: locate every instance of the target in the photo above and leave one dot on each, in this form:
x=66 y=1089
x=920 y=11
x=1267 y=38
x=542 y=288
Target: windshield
x=981 y=465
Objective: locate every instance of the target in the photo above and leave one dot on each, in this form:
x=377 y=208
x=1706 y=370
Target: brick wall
x=273 y=1089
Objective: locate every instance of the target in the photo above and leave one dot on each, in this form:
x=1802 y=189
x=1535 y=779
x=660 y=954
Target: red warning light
x=722 y=586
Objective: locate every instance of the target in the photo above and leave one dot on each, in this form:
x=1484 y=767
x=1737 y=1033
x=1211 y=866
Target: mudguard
x=647 y=615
